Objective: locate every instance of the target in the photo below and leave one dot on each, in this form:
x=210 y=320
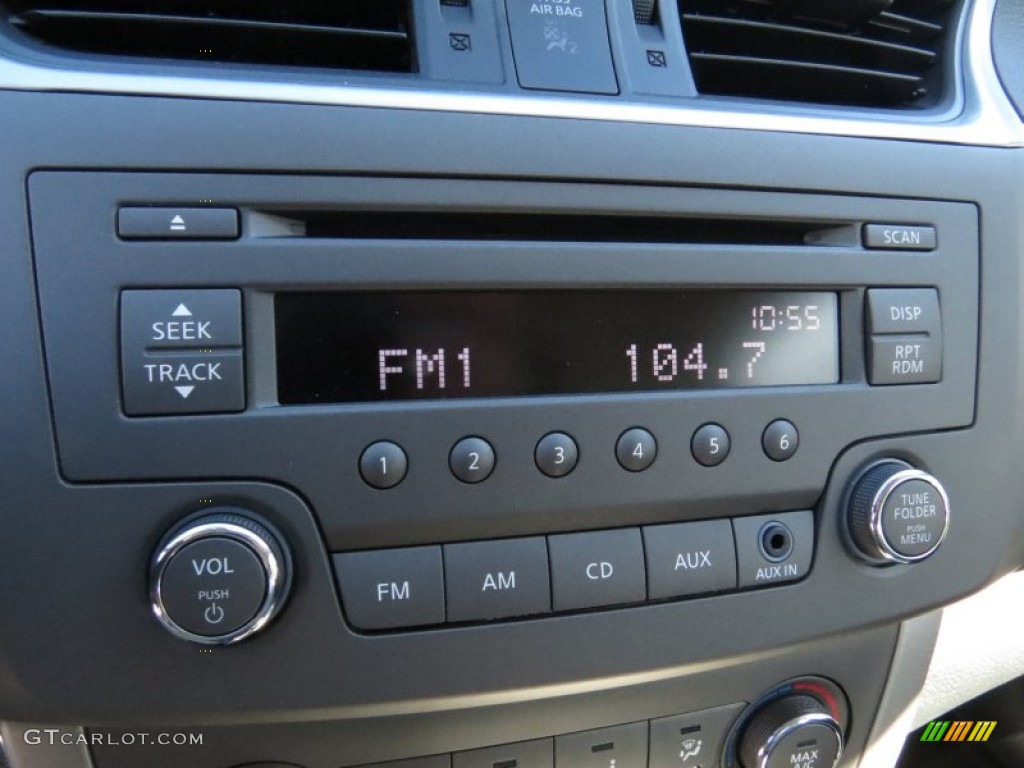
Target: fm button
x=219 y=578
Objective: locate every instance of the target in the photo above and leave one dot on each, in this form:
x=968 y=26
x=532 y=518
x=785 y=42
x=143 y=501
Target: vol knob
x=794 y=730
x=219 y=578
x=897 y=514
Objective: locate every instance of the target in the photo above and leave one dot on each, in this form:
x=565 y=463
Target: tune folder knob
x=897 y=514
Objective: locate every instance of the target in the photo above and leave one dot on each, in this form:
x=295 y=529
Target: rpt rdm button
x=392 y=588
x=905 y=360
x=200 y=382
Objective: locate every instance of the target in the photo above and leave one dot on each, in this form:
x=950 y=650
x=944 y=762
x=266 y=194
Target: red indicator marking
x=822 y=693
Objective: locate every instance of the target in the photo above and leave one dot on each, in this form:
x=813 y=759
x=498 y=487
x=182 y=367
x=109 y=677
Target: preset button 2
x=472 y=460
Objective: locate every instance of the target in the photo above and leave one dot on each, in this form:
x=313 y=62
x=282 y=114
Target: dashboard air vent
x=341 y=34
x=875 y=53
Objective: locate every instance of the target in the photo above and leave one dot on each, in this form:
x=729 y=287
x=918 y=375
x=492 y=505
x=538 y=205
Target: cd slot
x=468 y=225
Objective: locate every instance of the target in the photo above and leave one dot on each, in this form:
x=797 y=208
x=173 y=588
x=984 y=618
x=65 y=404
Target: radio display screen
x=399 y=345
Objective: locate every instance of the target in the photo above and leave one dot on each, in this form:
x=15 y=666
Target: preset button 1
x=383 y=465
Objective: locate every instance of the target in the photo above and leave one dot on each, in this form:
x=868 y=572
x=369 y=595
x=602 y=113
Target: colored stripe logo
x=959 y=730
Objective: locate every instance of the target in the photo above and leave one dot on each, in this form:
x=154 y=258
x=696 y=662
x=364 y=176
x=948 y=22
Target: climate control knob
x=794 y=730
x=897 y=514
x=219 y=578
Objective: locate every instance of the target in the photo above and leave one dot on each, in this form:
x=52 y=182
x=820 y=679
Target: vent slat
x=197 y=22
x=368 y=35
x=733 y=75
x=776 y=40
x=868 y=54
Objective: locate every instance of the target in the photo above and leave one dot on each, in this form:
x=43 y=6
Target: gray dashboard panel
x=79 y=546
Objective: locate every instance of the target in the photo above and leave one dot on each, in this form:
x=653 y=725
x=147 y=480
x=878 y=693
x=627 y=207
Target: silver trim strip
x=273 y=599
x=987 y=118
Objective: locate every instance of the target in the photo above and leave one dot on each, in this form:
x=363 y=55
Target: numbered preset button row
x=472 y=460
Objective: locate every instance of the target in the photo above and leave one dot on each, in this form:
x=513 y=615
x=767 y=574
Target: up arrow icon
x=181 y=311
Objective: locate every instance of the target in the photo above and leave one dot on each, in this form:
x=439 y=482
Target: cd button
x=636 y=449
x=594 y=569
x=556 y=454
x=472 y=460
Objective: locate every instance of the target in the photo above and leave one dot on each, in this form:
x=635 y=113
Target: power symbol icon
x=213 y=614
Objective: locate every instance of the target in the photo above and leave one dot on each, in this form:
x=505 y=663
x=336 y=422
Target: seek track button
x=186 y=319
x=198 y=382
